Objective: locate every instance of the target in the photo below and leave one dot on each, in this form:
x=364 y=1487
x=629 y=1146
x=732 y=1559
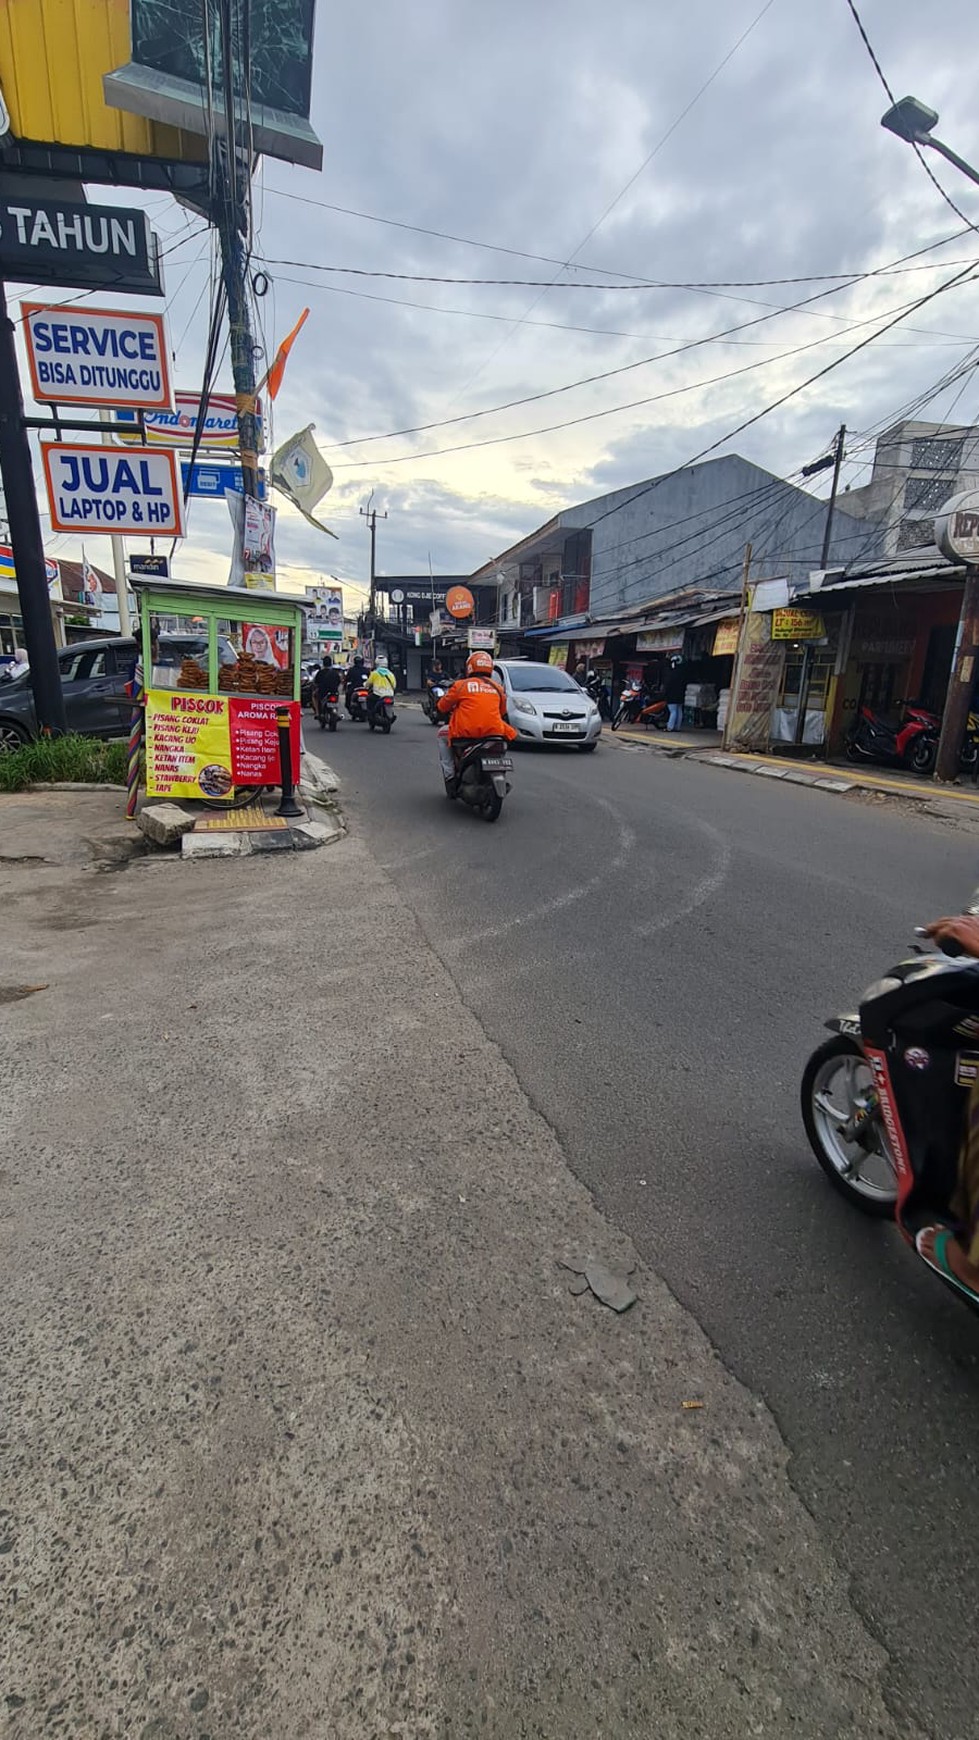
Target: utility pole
x=958 y=703
x=26 y=540
x=805 y=680
x=732 y=700
x=232 y=171
x=118 y=562
x=370 y=514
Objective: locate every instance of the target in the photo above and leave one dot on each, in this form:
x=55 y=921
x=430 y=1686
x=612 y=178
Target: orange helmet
x=479 y=664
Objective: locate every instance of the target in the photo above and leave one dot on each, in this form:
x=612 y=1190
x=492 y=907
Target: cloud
x=520 y=126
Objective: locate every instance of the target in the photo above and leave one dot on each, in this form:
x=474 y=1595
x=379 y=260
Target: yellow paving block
x=248 y=818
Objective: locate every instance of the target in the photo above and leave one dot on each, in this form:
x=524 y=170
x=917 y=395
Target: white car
x=545 y=705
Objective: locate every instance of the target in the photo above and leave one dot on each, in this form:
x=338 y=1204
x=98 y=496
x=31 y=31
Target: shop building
x=917 y=467
x=684 y=530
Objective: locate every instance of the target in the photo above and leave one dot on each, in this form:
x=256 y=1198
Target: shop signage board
x=726 y=638
x=177 y=427
x=95 y=356
x=558 y=654
x=419 y=593
x=92 y=247
x=134 y=492
x=660 y=640
x=957 y=527
x=158 y=567
x=459 y=602
x=482 y=640
x=202 y=745
x=9 y=572
x=210 y=482
x=797 y=624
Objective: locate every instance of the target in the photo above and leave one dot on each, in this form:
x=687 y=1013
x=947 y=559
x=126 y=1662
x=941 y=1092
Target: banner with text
x=105 y=489
x=93 y=356
x=201 y=746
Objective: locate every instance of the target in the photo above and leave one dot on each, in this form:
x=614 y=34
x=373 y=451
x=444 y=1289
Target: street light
x=913 y=121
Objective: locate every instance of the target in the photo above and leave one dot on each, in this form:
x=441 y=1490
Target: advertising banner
x=211 y=482
x=558 y=655
x=326 y=616
x=726 y=638
x=793 y=624
x=200 y=746
x=93 y=356
x=268 y=645
x=96 y=247
x=106 y=489
x=660 y=640
x=176 y=428
x=51 y=569
x=482 y=640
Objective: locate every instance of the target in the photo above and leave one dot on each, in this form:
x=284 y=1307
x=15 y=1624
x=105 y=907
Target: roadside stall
x=222 y=714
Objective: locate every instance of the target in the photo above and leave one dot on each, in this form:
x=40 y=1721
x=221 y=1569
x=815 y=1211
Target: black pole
x=26 y=541
x=242 y=339
x=287 y=804
x=805 y=678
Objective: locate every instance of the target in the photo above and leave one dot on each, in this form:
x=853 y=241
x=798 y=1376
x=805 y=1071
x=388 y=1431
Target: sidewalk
x=306 y=1434
x=832 y=776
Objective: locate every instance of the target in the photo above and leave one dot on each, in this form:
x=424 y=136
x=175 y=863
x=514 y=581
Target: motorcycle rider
x=326 y=684
x=475 y=706
x=954 y=1254
x=381 y=684
x=355 y=673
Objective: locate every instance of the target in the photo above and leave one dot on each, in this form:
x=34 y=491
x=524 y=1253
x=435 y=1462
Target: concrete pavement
x=304 y=1433
x=654 y=946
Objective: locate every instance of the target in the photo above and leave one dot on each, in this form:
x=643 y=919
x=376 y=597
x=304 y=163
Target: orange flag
x=273 y=379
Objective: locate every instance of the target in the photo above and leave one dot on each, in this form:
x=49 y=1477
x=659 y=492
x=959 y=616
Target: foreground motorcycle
x=357 y=695
x=911 y=743
x=883 y=1101
x=478 y=774
x=380 y=712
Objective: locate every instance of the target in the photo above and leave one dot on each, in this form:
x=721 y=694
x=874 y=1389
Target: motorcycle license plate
x=570 y=726
x=496 y=763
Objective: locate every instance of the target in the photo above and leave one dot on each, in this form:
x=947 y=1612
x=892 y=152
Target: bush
x=88 y=760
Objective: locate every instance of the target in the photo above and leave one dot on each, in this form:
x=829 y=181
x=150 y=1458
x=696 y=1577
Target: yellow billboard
x=53 y=56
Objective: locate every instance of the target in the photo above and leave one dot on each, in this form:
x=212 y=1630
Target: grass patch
x=88 y=760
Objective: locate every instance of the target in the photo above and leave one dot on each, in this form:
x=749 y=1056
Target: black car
x=94 y=675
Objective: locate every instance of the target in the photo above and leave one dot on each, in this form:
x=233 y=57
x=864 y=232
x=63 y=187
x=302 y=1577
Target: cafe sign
x=792 y=624
x=957 y=527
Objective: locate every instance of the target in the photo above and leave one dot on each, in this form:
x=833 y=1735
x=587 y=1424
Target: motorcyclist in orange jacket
x=475 y=705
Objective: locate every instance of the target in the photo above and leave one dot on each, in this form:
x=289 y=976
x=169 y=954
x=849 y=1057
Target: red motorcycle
x=913 y=742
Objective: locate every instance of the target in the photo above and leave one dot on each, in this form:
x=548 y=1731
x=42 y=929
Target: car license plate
x=571 y=726
x=496 y=762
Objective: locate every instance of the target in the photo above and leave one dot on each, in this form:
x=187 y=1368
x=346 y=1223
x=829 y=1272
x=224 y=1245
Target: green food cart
x=217 y=694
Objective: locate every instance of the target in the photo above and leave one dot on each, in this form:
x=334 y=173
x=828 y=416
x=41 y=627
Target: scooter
x=380 y=712
x=883 y=1101
x=478 y=775
x=912 y=743
x=430 y=701
x=357 y=701
x=329 y=713
x=635 y=708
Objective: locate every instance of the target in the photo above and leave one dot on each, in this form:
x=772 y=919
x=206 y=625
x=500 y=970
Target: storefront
x=901 y=644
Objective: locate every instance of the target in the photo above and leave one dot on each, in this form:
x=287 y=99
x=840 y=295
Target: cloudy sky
x=613 y=138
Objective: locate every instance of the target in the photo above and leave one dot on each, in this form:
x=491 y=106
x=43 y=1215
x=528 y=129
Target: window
x=912 y=534
x=541 y=679
x=932 y=455
x=925 y=495
x=81 y=664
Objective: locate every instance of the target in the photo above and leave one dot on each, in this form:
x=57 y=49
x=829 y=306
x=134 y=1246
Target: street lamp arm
x=913 y=121
x=951 y=157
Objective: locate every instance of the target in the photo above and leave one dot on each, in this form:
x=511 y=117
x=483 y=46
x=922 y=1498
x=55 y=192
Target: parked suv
x=94 y=674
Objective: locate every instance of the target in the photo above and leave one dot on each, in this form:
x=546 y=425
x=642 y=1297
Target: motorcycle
x=635 y=708
x=883 y=1100
x=380 y=712
x=430 y=701
x=912 y=743
x=478 y=775
x=356 y=701
x=329 y=713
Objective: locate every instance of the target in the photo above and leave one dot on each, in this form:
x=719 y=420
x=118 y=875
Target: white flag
x=299 y=470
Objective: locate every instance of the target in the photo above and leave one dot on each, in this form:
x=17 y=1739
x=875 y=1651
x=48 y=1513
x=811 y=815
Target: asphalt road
x=654 y=944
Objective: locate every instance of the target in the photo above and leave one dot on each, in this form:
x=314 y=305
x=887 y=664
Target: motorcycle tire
x=323 y=724
x=490 y=810
x=620 y=718
x=969 y=759
x=386 y=727
x=852 y=752
x=922 y=757
x=880 y=1206
x=332 y=724
x=370 y=724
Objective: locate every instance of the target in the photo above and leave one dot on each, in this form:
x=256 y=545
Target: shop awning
x=589 y=631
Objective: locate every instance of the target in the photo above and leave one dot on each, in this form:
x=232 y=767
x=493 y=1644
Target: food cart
x=220 y=681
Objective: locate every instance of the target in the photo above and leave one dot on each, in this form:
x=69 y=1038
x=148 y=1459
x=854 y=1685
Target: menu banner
x=202 y=746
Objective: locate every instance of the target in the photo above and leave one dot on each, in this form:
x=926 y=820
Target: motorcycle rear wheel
x=620 y=718
x=836 y=1081
x=922 y=757
x=491 y=808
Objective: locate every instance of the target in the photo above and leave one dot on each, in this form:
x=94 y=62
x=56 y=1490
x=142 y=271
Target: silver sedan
x=545 y=705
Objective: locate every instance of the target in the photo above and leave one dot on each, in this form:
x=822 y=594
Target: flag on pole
x=299 y=470
x=91 y=584
x=277 y=368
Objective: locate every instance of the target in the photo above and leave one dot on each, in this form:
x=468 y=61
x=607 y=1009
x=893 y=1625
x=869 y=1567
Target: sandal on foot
x=939 y=1263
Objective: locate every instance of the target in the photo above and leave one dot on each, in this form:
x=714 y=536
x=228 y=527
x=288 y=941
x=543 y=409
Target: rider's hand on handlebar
x=962 y=932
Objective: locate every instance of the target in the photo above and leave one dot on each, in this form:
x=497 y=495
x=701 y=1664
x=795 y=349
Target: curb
x=71 y=785
x=305 y=837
